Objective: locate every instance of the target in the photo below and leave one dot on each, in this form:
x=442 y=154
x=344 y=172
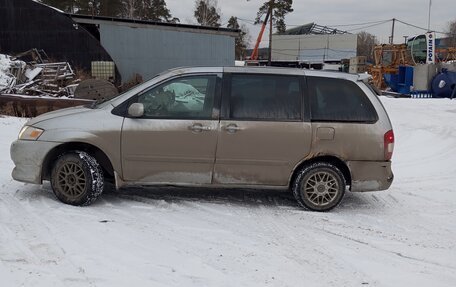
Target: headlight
x=30 y=133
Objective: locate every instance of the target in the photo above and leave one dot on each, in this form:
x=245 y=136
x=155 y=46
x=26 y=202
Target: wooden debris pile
x=37 y=77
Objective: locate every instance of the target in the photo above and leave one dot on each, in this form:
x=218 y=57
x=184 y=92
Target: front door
x=263 y=135
x=175 y=141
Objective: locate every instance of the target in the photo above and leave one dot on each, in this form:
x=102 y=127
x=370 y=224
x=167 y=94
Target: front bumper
x=370 y=175
x=28 y=158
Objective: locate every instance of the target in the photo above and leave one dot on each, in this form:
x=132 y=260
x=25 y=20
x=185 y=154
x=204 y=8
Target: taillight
x=388 y=141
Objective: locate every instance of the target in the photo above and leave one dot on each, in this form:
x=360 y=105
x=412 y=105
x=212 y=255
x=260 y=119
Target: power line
x=295 y=55
x=310 y=49
x=348 y=25
x=252 y=22
x=424 y=29
x=303 y=36
x=408 y=24
x=369 y=26
x=359 y=24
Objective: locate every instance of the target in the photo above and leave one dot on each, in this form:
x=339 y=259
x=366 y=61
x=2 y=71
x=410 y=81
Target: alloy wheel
x=321 y=188
x=71 y=180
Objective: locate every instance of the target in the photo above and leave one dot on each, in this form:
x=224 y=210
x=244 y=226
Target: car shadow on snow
x=181 y=195
x=234 y=196
x=186 y=195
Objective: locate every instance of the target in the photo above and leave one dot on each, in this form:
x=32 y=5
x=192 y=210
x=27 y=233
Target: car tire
x=77 y=178
x=319 y=186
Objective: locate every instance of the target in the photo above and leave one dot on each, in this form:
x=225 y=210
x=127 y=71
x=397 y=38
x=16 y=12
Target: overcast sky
x=338 y=12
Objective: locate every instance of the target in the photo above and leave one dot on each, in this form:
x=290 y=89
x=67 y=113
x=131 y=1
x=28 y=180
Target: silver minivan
x=317 y=134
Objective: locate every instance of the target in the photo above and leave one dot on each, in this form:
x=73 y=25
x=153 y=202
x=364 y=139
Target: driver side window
x=184 y=97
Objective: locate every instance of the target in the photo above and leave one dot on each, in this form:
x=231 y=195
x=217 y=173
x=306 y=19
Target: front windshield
x=372 y=87
x=103 y=102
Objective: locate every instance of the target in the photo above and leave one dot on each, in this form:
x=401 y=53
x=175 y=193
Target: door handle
x=232 y=128
x=199 y=128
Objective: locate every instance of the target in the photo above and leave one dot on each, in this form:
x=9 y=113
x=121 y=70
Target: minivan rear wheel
x=77 y=178
x=319 y=186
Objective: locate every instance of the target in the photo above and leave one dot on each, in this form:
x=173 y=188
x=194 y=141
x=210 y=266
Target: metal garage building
x=148 y=48
x=136 y=47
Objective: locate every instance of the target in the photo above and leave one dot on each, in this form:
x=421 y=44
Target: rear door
x=344 y=121
x=263 y=133
x=176 y=139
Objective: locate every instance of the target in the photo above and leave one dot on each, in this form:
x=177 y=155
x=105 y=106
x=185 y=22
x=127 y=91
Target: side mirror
x=136 y=110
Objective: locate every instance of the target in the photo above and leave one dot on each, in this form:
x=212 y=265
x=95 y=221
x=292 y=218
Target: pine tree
x=280 y=9
x=151 y=10
x=241 y=41
x=207 y=13
x=64 y=5
x=110 y=8
x=155 y=10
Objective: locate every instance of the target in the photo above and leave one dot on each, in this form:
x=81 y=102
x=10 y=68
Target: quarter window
x=339 y=100
x=185 y=97
x=265 y=97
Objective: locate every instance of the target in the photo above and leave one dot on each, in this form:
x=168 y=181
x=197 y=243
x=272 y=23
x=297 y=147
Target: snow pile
x=7 y=79
x=38 y=77
x=208 y=237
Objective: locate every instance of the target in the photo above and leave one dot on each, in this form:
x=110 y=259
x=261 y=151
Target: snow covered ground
x=405 y=236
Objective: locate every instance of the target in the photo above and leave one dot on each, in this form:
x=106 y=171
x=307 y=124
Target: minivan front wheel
x=77 y=178
x=319 y=186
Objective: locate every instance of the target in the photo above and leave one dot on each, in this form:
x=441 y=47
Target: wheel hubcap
x=321 y=188
x=71 y=180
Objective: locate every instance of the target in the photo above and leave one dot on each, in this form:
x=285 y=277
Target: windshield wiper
x=98 y=102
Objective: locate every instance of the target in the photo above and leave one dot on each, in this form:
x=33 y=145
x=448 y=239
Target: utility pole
x=298 y=58
x=271 y=4
x=392 y=32
x=429 y=16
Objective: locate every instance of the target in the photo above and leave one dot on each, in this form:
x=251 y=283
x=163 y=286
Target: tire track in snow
x=36 y=247
x=325 y=262
x=370 y=245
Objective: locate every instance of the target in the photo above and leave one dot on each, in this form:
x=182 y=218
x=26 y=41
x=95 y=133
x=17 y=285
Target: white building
x=312 y=44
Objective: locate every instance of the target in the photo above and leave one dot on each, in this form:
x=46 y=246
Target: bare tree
x=207 y=13
x=451 y=33
x=366 y=44
x=130 y=8
x=242 y=40
x=64 y=5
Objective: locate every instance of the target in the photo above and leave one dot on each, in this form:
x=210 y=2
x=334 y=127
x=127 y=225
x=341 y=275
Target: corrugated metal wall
x=148 y=51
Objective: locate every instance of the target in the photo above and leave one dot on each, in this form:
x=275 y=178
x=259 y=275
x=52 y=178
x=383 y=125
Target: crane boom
x=254 y=55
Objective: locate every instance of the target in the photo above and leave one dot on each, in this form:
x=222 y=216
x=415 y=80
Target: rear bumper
x=370 y=175
x=28 y=158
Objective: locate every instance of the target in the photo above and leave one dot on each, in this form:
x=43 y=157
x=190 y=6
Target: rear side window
x=339 y=100
x=265 y=97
